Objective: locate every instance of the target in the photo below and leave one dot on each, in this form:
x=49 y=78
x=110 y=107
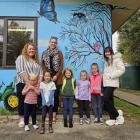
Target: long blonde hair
x=24 y=51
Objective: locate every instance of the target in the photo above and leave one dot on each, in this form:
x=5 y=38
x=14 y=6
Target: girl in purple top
x=83 y=96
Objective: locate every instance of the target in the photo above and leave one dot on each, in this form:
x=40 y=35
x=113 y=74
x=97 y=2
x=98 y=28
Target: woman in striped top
x=26 y=64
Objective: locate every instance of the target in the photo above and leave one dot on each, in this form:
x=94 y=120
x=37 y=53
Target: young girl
x=30 y=91
x=47 y=88
x=96 y=92
x=113 y=69
x=68 y=87
x=83 y=96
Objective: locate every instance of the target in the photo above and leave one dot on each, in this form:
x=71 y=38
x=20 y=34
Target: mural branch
x=87 y=32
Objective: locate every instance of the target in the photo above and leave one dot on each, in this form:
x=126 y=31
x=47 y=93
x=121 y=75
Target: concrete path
x=129 y=131
x=129 y=97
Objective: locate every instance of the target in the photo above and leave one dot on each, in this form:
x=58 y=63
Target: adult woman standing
x=113 y=69
x=26 y=63
x=52 y=61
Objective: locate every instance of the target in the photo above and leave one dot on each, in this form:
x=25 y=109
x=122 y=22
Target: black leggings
x=109 y=102
x=56 y=98
x=19 y=88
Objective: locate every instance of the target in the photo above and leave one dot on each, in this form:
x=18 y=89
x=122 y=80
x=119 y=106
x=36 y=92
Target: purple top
x=83 y=90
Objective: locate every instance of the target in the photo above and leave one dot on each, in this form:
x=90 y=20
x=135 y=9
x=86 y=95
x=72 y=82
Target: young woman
x=113 y=69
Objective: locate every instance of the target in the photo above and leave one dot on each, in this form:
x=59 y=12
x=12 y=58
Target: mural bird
x=47 y=10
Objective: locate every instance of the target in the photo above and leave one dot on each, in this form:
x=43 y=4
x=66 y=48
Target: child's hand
x=101 y=94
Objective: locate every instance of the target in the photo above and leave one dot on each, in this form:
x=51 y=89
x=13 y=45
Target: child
x=83 y=96
x=47 y=88
x=96 y=92
x=31 y=91
x=68 y=87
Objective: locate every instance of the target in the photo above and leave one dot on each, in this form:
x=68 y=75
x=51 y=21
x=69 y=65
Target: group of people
x=46 y=79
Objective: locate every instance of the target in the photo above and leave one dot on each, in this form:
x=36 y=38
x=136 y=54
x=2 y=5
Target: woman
x=52 y=61
x=113 y=69
x=26 y=64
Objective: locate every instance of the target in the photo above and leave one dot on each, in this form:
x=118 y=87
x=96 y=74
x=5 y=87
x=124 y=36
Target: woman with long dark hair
x=113 y=69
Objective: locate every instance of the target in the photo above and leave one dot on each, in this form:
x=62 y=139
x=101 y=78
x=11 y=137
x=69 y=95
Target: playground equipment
x=9 y=97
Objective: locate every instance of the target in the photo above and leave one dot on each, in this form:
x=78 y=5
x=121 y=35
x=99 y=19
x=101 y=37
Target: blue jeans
x=68 y=107
x=97 y=105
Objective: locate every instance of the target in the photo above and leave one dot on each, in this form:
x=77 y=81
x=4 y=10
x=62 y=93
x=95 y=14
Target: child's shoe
x=26 y=128
x=50 y=128
x=35 y=126
x=65 y=123
x=70 y=123
x=42 y=130
x=87 y=121
x=81 y=121
x=101 y=121
x=96 y=120
x=21 y=123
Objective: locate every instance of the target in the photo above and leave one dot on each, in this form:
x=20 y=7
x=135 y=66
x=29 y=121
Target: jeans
x=29 y=109
x=46 y=109
x=109 y=102
x=68 y=107
x=97 y=105
x=21 y=98
x=83 y=106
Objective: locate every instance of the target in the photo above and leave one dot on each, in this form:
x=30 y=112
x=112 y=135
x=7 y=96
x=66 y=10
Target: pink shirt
x=31 y=97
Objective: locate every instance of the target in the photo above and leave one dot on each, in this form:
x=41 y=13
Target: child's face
x=68 y=74
x=94 y=69
x=83 y=76
x=47 y=77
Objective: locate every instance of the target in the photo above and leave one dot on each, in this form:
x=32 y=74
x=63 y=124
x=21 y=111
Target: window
x=14 y=34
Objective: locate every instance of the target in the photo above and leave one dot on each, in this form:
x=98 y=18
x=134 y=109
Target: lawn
x=5 y=112
x=130 y=110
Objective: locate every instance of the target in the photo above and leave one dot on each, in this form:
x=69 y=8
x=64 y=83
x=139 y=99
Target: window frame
x=5 y=36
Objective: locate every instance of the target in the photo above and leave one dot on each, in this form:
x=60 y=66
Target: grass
x=135 y=92
x=130 y=110
x=5 y=112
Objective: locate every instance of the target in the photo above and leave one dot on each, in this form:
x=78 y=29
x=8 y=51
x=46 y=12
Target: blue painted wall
x=101 y=21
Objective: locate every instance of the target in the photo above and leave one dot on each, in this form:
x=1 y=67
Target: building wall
x=90 y=33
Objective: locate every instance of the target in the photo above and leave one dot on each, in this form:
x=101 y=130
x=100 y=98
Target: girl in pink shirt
x=96 y=92
x=30 y=91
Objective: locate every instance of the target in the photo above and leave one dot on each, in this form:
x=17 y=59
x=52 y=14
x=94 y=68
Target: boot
x=42 y=130
x=70 y=123
x=65 y=123
x=50 y=127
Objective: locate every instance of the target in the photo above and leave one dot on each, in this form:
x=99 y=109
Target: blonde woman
x=26 y=63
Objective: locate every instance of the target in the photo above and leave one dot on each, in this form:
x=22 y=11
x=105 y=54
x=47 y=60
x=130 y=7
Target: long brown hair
x=24 y=51
x=67 y=69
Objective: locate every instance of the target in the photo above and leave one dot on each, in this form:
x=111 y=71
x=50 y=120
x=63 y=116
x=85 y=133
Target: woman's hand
x=54 y=78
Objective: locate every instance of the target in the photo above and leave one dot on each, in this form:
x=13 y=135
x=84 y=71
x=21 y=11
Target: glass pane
x=1 y=39
x=19 y=33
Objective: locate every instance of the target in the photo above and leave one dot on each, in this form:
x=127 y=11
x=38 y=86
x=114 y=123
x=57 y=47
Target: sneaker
x=81 y=121
x=35 y=126
x=21 y=123
x=110 y=122
x=101 y=121
x=42 y=130
x=87 y=121
x=119 y=120
x=120 y=112
x=96 y=120
x=26 y=128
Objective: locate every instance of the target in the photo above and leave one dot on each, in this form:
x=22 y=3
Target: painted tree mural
x=88 y=32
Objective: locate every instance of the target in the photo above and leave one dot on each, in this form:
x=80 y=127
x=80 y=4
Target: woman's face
x=107 y=53
x=31 y=51
x=53 y=43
